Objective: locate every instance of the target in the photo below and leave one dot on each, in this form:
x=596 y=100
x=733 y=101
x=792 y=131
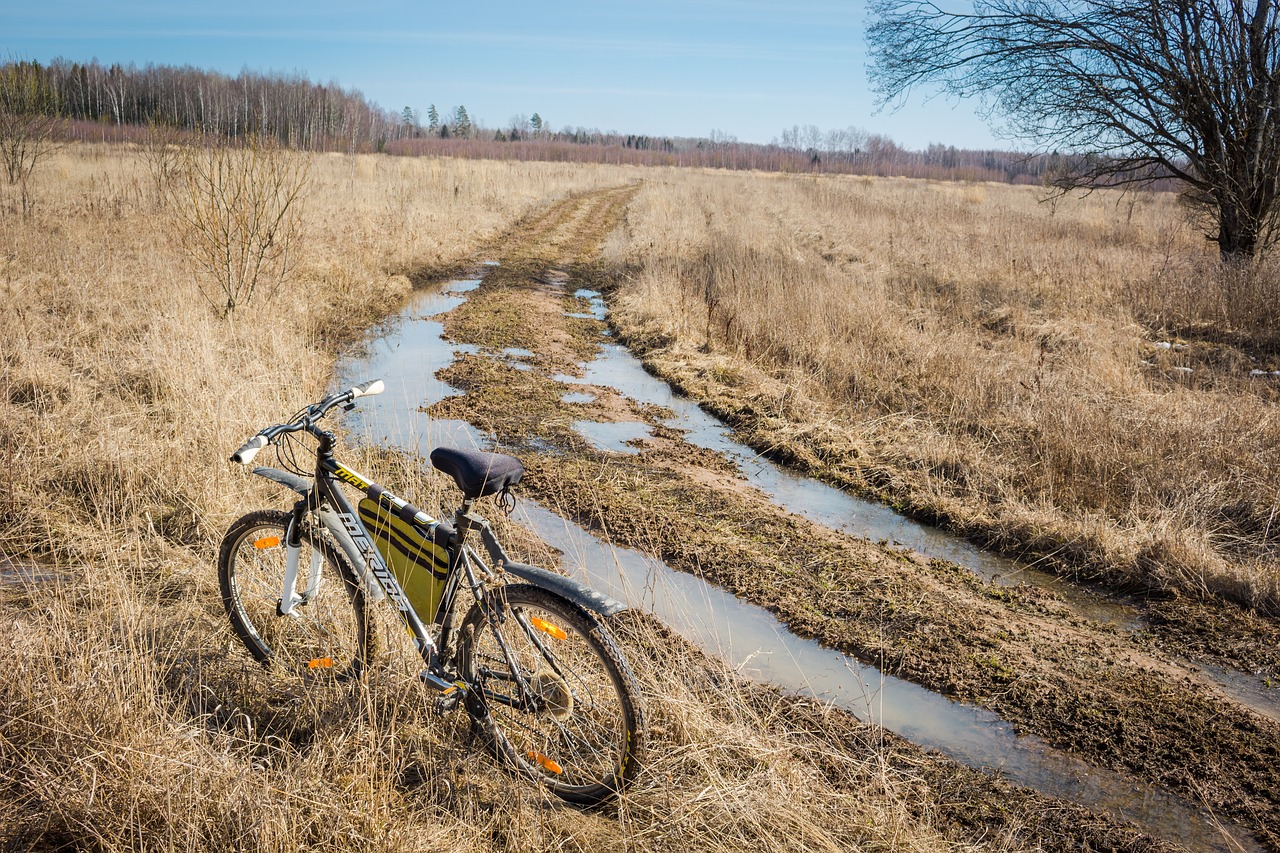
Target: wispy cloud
x=832 y=54
x=618 y=91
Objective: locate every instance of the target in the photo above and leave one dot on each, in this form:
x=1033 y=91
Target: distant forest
x=121 y=103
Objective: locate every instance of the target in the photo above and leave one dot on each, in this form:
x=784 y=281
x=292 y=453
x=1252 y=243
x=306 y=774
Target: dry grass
x=981 y=357
x=128 y=719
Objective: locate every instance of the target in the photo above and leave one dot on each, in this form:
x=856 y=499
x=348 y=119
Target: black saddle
x=478 y=473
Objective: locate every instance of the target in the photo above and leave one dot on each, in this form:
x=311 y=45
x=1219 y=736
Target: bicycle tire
x=328 y=637
x=581 y=731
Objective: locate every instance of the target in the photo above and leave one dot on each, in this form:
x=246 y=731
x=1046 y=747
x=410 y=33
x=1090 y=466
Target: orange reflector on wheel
x=266 y=542
x=320 y=663
x=547 y=628
x=547 y=763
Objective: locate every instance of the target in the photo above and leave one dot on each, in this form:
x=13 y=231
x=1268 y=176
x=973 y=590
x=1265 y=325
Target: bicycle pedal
x=446 y=704
x=445 y=688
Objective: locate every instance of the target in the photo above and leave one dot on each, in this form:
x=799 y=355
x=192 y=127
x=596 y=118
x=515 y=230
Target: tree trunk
x=1237 y=233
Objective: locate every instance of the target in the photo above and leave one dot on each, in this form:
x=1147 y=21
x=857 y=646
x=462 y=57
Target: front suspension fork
x=289 y=597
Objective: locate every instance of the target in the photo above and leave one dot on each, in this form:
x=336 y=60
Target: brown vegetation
x=1117 y=693
x=128 y=719
x=1076 y=380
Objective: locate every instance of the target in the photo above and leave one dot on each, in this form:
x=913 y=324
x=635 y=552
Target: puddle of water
x=407 y=359
x=578 y=397
x=616 y=367
x=750 y=639
x=465 y=285
x=1252 y=691
x=598 y=310
x=518 y=358
x=22 y=574
x=613 y=436
x=747 y=636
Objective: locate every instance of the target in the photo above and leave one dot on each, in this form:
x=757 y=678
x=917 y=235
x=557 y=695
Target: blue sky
x=661 y=67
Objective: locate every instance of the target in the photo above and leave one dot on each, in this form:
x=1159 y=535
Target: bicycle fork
x=289 y=597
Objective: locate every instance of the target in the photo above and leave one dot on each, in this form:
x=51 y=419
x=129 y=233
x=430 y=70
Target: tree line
x=289 y=108
x=119 y=103
x=847 y=151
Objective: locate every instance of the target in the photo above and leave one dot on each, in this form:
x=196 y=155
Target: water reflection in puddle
x=620 y=437
x=24 y=574
x=750 y=639
x=617 y=368
x=1254 y=692
x=409 y=355
x=598 y=309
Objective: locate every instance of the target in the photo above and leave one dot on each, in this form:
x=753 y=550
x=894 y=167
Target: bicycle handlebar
x=368 y=389
x=306 y=420
x=250 y=449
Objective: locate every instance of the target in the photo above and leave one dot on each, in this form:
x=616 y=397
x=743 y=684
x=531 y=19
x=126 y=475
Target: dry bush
x=982 y=358
x=29 y=127
x=239 y=214
x=162 y=152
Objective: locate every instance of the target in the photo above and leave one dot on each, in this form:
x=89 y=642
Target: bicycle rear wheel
x=553 y=692
x=326 y=635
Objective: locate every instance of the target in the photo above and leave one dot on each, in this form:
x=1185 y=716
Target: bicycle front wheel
x=553 y=692
x=326 y=633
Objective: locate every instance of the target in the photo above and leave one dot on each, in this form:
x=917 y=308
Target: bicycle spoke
x=559 y=701
x=323 y=636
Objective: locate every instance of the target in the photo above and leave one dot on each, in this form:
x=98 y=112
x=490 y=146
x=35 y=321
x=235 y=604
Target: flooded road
x=748 y=637
x=617 y=368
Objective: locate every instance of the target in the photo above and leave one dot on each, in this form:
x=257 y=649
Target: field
x=967 y=352
x=1067 y=380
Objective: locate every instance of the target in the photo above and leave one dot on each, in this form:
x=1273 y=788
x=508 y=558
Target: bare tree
x=1149 y=88
x=29 y=123
x=239 y=216
x=163 y=153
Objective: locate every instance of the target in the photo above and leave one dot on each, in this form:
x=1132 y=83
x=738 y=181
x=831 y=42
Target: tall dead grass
x=129 y=719
x=1069 y=379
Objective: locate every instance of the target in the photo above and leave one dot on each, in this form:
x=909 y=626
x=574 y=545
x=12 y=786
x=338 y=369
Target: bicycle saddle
x=478 y=473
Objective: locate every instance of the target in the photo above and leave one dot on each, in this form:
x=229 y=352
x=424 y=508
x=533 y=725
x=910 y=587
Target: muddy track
x=1119 y=700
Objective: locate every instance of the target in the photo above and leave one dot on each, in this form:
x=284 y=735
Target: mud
x=1128 y=701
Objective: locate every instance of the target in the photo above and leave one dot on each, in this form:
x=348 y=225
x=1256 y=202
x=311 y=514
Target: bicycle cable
x=286 y=450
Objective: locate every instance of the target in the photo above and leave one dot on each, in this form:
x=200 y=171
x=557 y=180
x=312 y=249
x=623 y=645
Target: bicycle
x=532 y=662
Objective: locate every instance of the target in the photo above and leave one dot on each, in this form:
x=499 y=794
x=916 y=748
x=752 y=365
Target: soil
x=1128 y=700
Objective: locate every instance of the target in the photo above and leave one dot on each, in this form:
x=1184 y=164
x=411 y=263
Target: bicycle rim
x=566 y=713
x=325 y=636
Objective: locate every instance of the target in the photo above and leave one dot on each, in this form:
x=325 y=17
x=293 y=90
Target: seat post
x=462 y=520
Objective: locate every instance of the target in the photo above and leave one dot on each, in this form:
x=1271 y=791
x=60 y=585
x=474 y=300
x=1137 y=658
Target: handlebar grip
x=368 y=389
x=250 y=449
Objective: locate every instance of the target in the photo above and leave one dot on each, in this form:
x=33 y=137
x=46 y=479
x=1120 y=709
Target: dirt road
x=1125 y=700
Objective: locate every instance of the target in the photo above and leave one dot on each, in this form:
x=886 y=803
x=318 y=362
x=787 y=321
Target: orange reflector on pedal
x=547 y=628
x=320 y=663
x=547 y=763
x=266 y=542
